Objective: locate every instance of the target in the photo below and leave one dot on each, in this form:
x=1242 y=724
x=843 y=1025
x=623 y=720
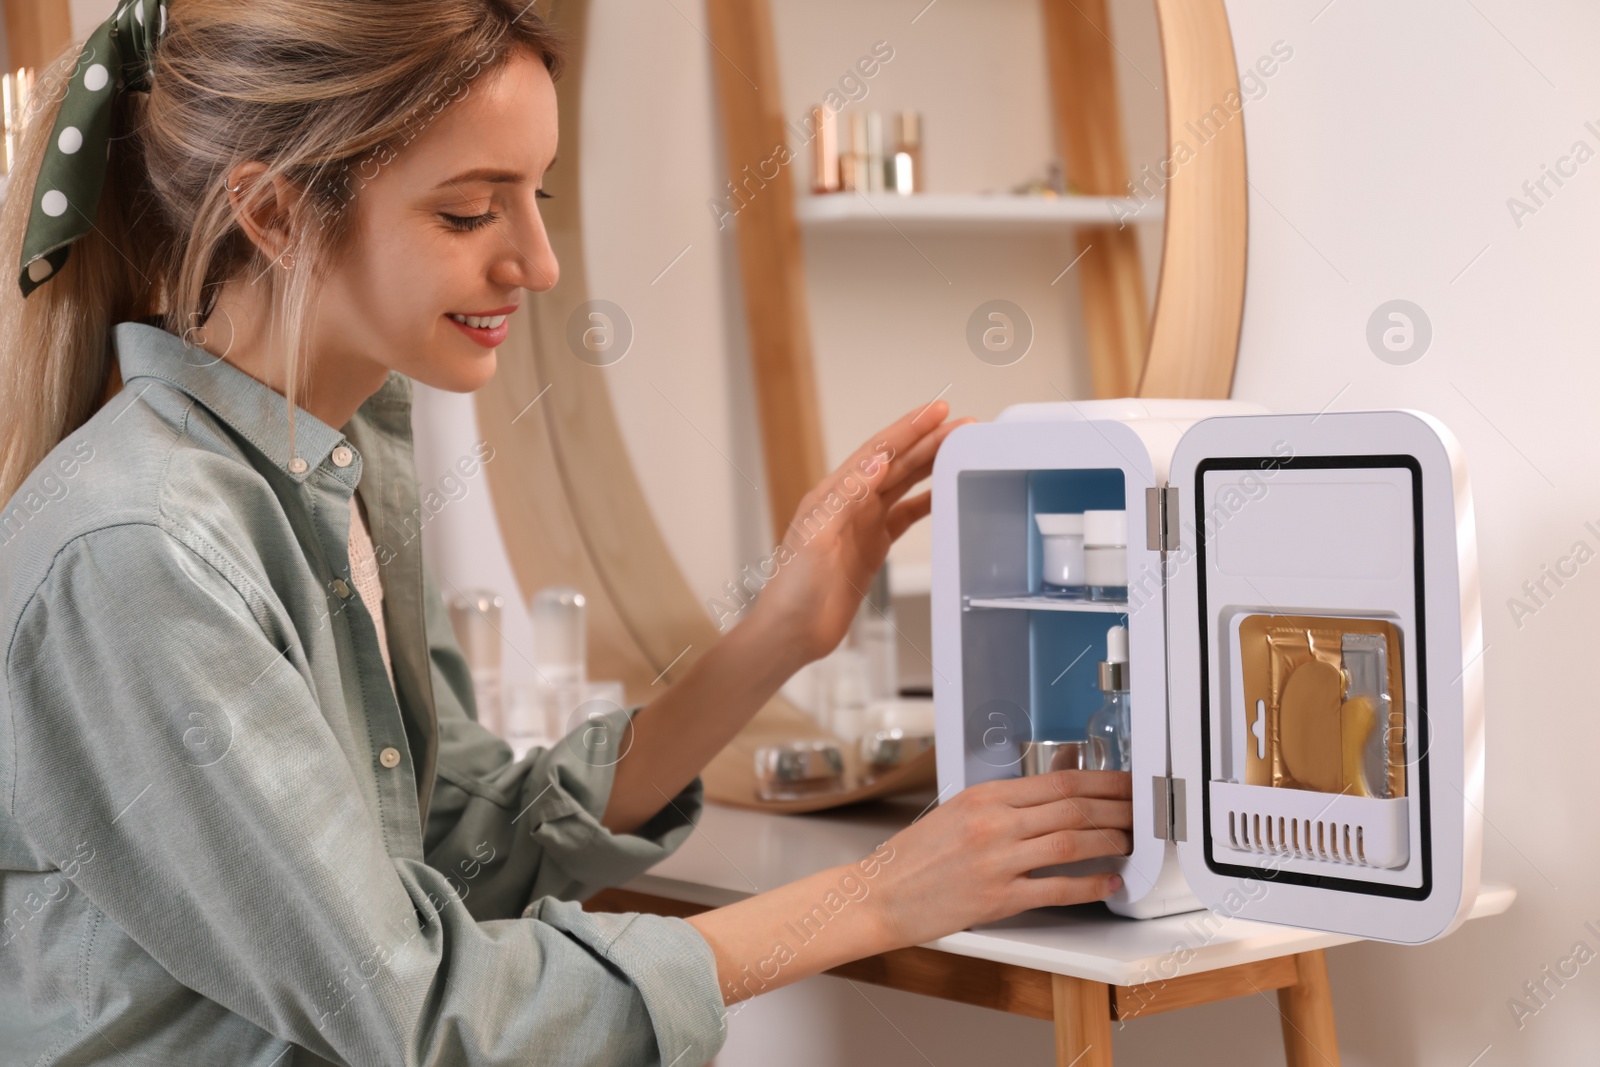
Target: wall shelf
x=1035 y=602
x=933 y=212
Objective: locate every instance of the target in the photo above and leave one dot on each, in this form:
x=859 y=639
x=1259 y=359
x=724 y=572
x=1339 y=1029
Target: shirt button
x=389 y=757
x=297 y=465
x=341 y=587
x=342 y=456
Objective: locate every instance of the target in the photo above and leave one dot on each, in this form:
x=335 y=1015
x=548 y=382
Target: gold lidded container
x=825 y=150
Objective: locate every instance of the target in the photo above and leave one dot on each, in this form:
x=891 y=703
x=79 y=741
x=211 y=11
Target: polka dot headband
x=119 y=56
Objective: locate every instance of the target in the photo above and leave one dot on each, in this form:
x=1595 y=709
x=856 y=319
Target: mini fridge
x=1304 y=639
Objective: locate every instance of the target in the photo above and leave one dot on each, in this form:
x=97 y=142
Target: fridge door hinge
x=1171 y=814
x=1161 y=518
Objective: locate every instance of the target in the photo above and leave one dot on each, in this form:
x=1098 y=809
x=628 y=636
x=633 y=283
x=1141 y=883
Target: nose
x=530 y=263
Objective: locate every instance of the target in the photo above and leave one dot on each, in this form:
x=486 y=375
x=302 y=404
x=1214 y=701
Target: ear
x=264 y=212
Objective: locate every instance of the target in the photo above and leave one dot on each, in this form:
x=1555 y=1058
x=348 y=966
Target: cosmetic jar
x=897 y=732
x=1105 y=554
x=793 y=769
x=891 y=746
x=1061 y=569
x=1044 y=756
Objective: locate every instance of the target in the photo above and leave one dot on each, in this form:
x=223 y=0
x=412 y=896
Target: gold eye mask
x=1309 y=738
x=1323 y=702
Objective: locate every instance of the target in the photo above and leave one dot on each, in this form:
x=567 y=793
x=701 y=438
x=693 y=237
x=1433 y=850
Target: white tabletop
x=734 y=854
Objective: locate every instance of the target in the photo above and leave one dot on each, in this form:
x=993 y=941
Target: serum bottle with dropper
x=1110 y=730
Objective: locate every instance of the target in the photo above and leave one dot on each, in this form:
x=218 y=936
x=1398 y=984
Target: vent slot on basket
x=1305 y=825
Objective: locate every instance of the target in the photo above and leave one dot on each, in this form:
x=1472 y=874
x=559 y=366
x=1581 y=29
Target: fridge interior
x=1031 y=659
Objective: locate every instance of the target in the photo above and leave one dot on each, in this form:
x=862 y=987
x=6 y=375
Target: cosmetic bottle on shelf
x=848 y=693
x=874 y=159
x=1109 y=733
x=853 y=153
x=905 y=166
x=824 y=150
x=475 y=618
x=561 y=698
x=873 y=633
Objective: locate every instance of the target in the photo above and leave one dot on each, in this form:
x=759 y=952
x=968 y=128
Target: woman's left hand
x=841 y=532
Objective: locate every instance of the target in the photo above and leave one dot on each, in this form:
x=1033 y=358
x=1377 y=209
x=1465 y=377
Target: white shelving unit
x=976 y=212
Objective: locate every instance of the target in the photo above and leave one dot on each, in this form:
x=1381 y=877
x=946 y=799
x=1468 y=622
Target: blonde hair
x=323 y=92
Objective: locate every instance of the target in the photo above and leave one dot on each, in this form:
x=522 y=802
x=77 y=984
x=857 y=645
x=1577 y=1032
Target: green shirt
x=211 y=850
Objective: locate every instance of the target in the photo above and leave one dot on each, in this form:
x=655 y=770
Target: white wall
x=1381 y=163
x=87 y=14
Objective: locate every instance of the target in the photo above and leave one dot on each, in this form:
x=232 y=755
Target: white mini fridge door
x=1327 y=538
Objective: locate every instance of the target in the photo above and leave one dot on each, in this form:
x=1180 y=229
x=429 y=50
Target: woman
x=247 y=815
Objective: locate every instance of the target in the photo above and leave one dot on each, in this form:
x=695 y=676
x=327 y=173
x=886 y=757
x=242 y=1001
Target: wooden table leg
x=1307 y=1008
x=1083 y=1021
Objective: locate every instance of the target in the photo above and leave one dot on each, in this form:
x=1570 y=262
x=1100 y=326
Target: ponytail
x=55 y=355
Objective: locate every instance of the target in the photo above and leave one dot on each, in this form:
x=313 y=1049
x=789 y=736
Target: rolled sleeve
x=666 y=960
x=511 y=831
x=574 y=779
x=154 y=709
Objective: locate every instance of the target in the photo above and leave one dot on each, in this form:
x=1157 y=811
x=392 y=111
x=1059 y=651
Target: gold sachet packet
x=1324 y=708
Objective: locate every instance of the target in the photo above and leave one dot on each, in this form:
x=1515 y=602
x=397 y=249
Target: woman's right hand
x=968 y=860
x=965 y=862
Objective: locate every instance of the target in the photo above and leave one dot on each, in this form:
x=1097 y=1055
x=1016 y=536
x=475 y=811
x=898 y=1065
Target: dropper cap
x=1114 y=671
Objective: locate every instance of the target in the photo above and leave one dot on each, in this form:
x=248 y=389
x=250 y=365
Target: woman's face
x=446 y=229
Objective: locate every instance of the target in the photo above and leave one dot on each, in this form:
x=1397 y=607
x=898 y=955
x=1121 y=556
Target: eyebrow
x=484 y=174
x=488 y=174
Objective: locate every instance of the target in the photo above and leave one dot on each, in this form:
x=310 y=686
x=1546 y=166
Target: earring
x=289 y=256
x=232 y=188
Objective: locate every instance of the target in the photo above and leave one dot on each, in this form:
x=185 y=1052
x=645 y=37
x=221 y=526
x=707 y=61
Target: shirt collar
x=250 y=407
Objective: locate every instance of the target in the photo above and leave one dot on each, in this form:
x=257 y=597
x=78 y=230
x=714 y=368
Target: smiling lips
x=487 y=328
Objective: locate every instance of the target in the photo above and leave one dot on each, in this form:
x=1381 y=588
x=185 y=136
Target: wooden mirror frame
x=569 y=504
